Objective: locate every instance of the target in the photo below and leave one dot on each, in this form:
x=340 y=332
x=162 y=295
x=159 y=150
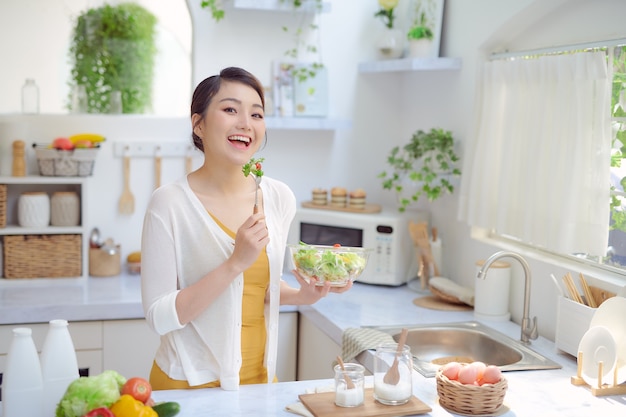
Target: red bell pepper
x=100 y=412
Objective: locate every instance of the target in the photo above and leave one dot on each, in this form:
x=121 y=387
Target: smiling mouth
x=240 y=139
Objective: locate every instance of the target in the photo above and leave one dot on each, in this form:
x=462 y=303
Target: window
x=547 y=164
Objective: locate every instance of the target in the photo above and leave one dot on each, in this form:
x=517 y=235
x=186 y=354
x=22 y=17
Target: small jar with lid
x=33 y=209
x=65 y=209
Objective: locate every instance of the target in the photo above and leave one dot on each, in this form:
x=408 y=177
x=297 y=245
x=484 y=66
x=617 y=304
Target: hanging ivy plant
x=301 y=36
x=113 y=49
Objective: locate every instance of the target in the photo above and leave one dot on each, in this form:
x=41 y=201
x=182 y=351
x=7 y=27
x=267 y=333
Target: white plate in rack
x=612 y=315
x=598 y=345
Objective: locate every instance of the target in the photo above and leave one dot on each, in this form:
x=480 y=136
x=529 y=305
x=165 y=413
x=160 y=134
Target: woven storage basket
x=445 y=297
x=42 y=256
x=3 y=205
x=470 y=399
x=58 y=163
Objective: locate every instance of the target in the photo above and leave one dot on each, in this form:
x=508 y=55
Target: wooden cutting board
x=368 y=208
x=323 y=405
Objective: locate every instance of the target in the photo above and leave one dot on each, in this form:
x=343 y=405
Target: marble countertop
x=530 y=393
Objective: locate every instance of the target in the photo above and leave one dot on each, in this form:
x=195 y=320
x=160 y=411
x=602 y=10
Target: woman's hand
x=250 y=239
x=310 y=293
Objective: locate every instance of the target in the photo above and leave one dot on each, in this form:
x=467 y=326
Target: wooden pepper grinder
x=19 y=159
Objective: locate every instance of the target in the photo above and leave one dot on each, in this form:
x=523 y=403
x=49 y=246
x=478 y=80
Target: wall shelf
x=278 y=5
x=410 y=64
x=306 y=123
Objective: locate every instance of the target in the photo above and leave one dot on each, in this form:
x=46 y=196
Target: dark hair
x=206 y=90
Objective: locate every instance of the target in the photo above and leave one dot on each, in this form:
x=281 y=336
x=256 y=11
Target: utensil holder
x=103 y=263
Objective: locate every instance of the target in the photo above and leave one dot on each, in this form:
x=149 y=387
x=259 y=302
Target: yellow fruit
x=134 y=257
x=91 y=137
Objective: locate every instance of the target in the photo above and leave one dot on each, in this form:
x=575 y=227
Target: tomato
x=138 y=388
x=258 y=166
x=336 y=245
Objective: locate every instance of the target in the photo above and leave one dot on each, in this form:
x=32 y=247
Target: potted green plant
x=113 y=49
x=426 y=165
x=420 y=38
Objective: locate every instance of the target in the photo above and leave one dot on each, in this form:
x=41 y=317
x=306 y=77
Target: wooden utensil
x=127 y=199
x=571 y=288
x=349 y=382
x=392 y=377
x=591 y=302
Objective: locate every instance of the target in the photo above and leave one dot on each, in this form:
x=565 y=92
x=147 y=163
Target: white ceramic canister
x=389 y=393
x=33 y=209
x=59 y=366
x=64 y=209
x=491 y=293
x=22 y=384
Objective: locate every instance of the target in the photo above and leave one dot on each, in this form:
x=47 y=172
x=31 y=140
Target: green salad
x=335 y=264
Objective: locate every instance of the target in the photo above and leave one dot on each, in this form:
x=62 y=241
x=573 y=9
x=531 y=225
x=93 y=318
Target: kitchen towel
x=356 y=340
x=300 y=409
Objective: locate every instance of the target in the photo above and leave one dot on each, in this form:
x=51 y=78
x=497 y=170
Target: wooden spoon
x=349 y=382
x=392 y=377
x=127 y=199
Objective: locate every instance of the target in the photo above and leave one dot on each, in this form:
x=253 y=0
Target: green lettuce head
x=86 y=393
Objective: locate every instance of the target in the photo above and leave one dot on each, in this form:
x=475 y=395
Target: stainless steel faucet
x=529 y=330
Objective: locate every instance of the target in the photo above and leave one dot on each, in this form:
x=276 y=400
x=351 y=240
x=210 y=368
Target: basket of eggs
x=471 y=388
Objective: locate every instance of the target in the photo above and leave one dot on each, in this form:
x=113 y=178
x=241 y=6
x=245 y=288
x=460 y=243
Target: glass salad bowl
x=336 y=264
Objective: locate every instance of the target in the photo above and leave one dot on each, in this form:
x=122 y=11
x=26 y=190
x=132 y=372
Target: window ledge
x=608 y=279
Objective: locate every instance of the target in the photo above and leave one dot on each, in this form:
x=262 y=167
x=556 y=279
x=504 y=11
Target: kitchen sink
x=436 y=344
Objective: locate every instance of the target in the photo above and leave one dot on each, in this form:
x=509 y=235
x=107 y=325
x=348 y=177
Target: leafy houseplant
x=428 y=160
x=113 y=49
x=420 y=36
x=420 y=30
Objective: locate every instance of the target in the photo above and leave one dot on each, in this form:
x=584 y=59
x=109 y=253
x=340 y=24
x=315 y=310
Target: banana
x=90 y=137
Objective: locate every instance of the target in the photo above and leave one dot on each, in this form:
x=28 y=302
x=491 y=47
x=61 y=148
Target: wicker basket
x=42 y=256
x=3 y=205
x=445 y=297
x=470 y=399
x=58 y=163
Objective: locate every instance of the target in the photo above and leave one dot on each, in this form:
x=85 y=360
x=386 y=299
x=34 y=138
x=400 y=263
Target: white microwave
x=392 y=260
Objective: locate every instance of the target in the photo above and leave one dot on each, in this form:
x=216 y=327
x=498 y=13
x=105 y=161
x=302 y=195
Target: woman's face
x=234 y=124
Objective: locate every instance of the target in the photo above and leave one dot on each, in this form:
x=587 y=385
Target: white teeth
x=239 y=138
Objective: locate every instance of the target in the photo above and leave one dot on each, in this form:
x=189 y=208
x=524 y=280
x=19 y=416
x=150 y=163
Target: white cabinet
x=86 y=335
x=129 y=347
x=287 y=347
x=18 y=185
x=316 y=351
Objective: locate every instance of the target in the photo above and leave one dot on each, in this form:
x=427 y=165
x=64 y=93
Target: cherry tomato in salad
x=258 y=165
x=336 y=245
x=100 y=412
x=138 y=388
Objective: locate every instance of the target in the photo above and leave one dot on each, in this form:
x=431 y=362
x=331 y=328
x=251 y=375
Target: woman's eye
x=258 y=115
x=230 y=110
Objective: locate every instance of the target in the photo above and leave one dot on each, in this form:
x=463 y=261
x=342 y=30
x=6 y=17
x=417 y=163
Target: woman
x=211 y=268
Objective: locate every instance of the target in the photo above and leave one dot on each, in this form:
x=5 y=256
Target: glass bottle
x=30 y=97
x=59 y=366
x=22 y=385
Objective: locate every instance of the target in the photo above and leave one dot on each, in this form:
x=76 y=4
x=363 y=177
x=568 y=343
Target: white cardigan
x=180 y=244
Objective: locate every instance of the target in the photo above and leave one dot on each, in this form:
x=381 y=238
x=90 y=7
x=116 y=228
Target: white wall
x=384 y=109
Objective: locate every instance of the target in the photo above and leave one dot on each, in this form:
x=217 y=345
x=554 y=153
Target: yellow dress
x=253 y=331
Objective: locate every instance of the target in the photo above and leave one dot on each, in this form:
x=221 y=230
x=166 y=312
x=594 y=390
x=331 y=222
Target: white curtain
x=537 y=167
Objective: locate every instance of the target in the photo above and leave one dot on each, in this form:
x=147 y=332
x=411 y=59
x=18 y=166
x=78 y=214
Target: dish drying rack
x=602 y=388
